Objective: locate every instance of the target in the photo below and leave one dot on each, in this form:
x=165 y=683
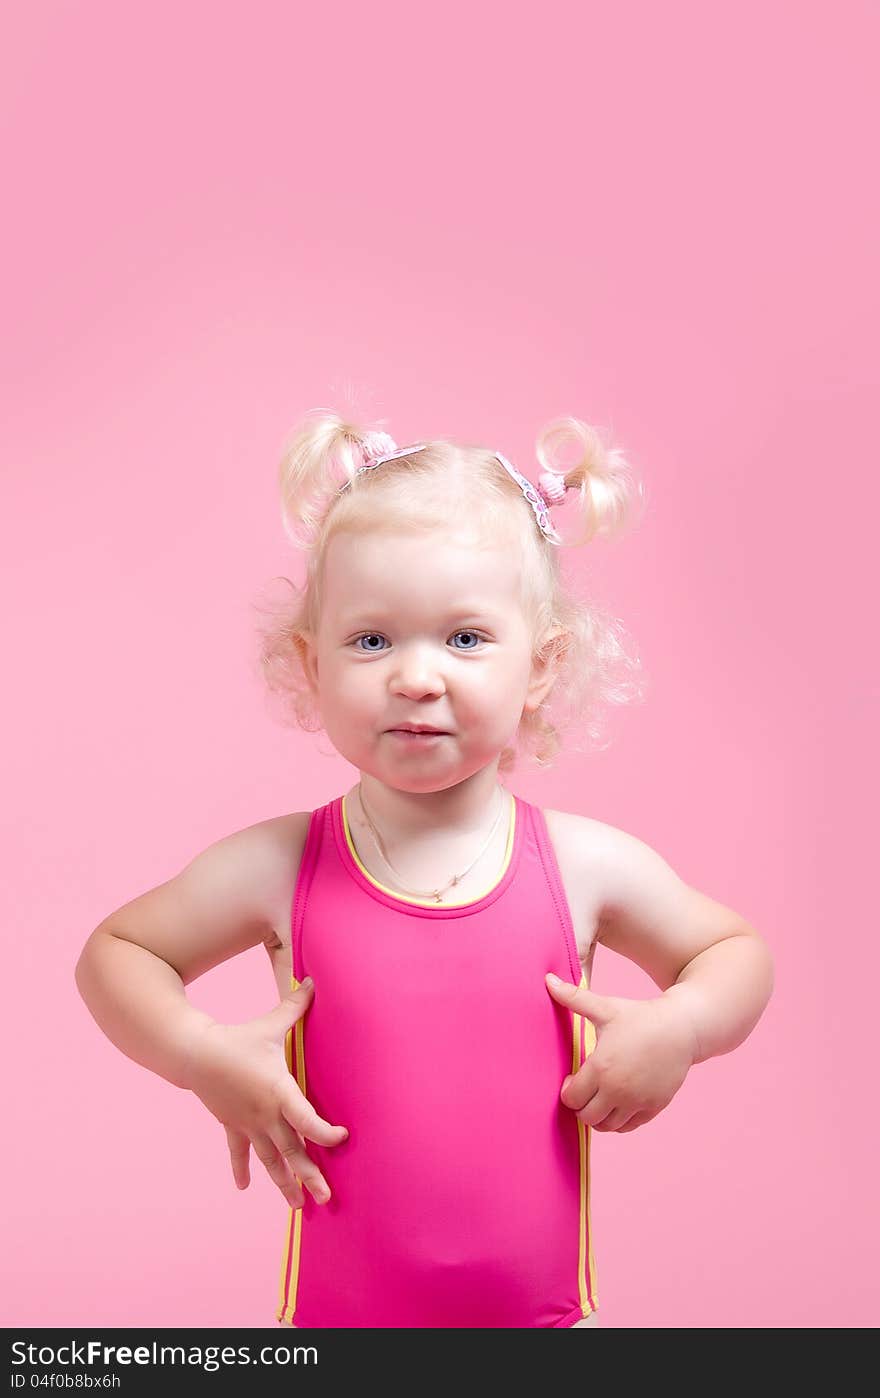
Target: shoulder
x=273 y=849
x=581 y=846
x=226 y=899
x=266 y=845
x=273 y=836
x=261 y=861
x=586 y=840
x=644 y=909
x=603 y=856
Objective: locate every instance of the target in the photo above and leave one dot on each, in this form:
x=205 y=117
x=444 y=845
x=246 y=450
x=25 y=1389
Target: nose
x=418 y=673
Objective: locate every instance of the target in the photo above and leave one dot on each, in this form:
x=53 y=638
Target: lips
x=423 y=739
x=407 y=728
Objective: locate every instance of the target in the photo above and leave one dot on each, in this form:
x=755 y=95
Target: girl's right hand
x=240 y=1073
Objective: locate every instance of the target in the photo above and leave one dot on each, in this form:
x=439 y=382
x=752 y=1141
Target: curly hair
x=447 y=482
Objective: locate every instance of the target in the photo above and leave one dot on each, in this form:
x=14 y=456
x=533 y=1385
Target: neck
x=463 y=809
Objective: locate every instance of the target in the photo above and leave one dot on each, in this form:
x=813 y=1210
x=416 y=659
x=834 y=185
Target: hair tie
x=375 y=446
x=552 y=486
x=550 y=491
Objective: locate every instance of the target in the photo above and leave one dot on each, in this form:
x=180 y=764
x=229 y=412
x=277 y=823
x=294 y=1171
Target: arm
x=712 y=965
x=132 y=970
x=714 y=969
x=724 y=991
x=138 y=1000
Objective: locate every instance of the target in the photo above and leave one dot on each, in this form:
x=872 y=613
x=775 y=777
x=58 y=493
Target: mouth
x=417 y=728
x=416 y=733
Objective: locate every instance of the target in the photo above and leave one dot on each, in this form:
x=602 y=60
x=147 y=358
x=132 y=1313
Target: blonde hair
x=446 y=483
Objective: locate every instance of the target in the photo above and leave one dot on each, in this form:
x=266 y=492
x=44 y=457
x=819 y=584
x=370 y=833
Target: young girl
x=425 y=1092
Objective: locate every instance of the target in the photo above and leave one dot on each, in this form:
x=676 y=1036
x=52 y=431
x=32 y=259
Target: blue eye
x=376 y=635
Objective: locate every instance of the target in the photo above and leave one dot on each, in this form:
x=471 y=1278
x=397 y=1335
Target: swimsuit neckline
x=424 y=907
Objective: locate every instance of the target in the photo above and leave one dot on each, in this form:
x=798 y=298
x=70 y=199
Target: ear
x=309 y=655
x=545 y=667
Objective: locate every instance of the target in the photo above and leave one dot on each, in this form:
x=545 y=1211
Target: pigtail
x=606 y=491
x=322 y=455
x=597 y=671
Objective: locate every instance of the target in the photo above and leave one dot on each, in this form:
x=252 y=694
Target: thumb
x=598 y=1009
x=290 y=1007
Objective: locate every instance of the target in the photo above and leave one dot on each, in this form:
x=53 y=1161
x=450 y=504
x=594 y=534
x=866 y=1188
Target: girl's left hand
x=644 y=1049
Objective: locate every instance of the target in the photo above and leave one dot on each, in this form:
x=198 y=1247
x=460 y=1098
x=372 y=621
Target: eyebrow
x=479 y=612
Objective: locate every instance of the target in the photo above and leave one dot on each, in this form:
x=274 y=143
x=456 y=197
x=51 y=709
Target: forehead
x=431 y=572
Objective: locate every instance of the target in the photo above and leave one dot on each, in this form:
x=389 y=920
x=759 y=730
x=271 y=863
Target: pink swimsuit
x=461 y=1197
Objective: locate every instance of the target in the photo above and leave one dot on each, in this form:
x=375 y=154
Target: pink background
x=657 y=218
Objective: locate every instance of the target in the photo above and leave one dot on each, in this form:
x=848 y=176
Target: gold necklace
x=435 y=893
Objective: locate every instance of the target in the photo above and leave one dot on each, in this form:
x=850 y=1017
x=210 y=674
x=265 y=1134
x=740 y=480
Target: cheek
x=510 y=678
x=351 y=688
x=494 y=696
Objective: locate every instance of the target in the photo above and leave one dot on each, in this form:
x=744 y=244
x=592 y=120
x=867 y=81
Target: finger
x=289 y=1009
x=639 y=1119
x=279 y=1171
x=300 y=1113
x=613 y=1120
x=599 y=1009
x=596 y=1110
x=240 y=1154
x=291 y=1148
x=580 y=1088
